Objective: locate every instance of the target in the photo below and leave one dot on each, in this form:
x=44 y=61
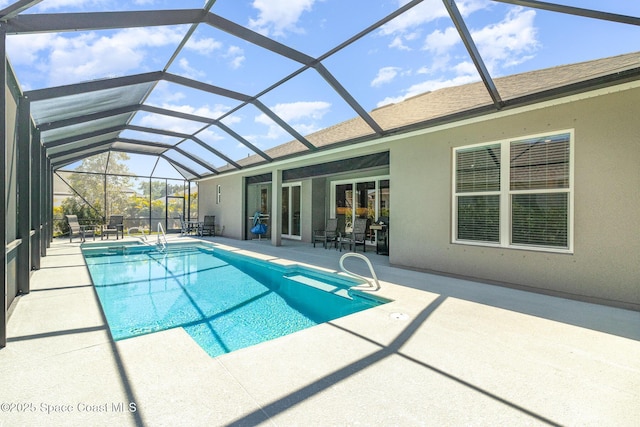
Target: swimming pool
x=225 y=301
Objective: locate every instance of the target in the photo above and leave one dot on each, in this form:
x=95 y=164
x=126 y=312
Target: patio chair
x=185 y=227
x=358 y=236
x=75 y=229
x=208 y=227
x=328 y=235
x=114 y=226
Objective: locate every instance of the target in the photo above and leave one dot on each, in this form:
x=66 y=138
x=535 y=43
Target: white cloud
x=170 y=123
x=465 y=68
x=509 y=42
x=467 y=7
x=506 y=43
x=385 y=75
x=293 y=111
x=189 y=71
x=440 y=63
x=407 y=26
x=184 y=126
x=441 y=42
x=426 y=11
x=206 y=46
x=90 y=55
x=428 y=86
x=60 y=4
x=209 y=134
x=236 y=57
x=204 y=111
x=168 y=93
x=301 y=115
x=149 y=37
x=25 y=49
x=203 y=46
x=276 y=17
x=398 y=43
x=502 y=44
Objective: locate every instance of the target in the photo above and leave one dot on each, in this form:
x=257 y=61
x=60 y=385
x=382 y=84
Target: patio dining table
x=195 y=225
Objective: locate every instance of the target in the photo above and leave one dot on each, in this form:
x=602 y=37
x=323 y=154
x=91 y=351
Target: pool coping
x=445 y=351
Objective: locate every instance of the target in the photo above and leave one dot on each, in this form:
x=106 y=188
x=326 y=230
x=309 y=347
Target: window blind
x=478 y=169
x=479 y=218
x=540 y=163
x=539 y=219
x=536 y=189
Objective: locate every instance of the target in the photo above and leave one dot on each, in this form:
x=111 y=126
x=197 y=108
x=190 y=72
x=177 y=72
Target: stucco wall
x=605 y=264
x=229 y=211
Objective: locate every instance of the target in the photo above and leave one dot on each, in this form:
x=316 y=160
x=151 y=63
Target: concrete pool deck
x=445 y=352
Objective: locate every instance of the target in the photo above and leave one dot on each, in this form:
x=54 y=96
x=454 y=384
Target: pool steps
x=323 y=286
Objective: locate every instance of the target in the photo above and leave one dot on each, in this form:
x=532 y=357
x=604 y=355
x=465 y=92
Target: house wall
x=319 y=199
x=314 y=197
x=605 y=264
x=229 y=211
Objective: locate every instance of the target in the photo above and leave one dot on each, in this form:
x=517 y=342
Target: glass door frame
x=291 y=211
x=354 y=185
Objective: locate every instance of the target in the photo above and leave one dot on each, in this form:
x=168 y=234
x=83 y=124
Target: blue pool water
x=225 y=301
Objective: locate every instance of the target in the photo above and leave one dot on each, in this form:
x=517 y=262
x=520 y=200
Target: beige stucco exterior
x=605 y=262
x=604 y=265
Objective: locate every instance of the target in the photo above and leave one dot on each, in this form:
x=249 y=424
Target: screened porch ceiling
x=203 y=90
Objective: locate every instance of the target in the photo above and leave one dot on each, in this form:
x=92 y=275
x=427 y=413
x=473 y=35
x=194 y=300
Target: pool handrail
x=162 y=243
x=141 y=230
x=366 y=260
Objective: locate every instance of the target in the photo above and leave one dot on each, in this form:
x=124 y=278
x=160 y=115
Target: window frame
x=506 y=193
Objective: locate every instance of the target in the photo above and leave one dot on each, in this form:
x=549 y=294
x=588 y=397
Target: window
x=515 y=193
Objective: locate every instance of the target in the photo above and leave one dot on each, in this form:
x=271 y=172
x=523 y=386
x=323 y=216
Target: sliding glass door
x=363 y=198
x=290 y=219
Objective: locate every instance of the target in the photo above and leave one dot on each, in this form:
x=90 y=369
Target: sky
x=417 y=52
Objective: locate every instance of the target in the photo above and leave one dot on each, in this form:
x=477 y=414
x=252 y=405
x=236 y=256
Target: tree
x=102 y=186
x=160 y=188
x=88 y=199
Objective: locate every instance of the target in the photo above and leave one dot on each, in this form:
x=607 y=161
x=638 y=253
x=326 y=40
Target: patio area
x=445 y=352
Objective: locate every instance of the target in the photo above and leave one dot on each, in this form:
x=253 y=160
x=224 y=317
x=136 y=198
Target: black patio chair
x=114 y=226
x=75 y=229
x=208 y=226
x=358 y=236
x=328 y=235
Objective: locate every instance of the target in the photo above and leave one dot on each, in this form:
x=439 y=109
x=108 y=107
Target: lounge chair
x=75 y=229
x=115 y=226
x=208 y=226
x=358 y=236
x=328 y=235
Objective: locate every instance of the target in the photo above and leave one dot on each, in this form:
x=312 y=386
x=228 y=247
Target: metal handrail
x=164 y=237
x=365 y=259
x=144 y=236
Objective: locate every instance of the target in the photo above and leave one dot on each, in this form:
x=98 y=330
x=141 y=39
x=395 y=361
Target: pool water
x=224 y=301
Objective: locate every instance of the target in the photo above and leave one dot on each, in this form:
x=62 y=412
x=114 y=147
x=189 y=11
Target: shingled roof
x=460 y=102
